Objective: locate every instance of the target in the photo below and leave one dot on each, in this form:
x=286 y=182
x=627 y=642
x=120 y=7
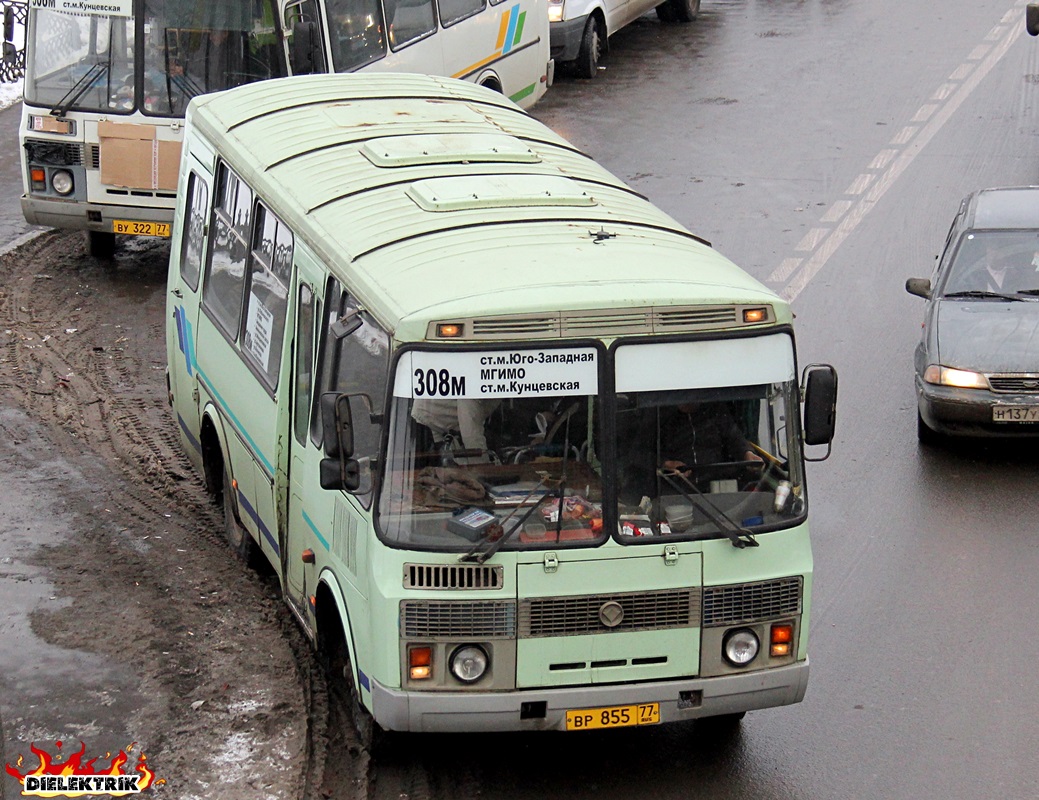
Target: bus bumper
x=87 y=216
x=545 y=709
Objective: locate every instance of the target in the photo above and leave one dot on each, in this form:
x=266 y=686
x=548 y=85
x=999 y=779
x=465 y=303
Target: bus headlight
x=61 y=181
x=469 y=663
x=555 y=10
x=741 y=647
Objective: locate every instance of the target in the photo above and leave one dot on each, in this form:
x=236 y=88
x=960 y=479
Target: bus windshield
x=89 y=62
x=705 y=445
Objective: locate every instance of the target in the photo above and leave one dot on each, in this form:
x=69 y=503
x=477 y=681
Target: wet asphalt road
x=824 y=145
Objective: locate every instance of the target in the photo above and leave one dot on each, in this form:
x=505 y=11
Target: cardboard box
x=133 y=157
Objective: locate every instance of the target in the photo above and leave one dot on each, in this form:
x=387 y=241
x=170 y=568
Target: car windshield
x=994 y=262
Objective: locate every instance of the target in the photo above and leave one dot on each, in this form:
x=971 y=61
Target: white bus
x=432 y=360
x=106 y=84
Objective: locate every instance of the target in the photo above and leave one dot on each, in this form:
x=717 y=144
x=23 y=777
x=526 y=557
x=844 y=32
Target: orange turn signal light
x=780 y=638
x=420 y=662
x=38 y=175
x=449 y=330
x=755 y=314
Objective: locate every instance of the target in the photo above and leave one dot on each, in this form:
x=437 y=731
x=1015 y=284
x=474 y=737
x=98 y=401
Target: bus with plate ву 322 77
x=437 y=366
x=106 y=84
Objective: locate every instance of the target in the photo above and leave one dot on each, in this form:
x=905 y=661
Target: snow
x=10 y=93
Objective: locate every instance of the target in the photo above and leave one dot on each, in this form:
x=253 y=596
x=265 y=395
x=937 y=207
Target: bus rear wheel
x=101 y=244
x=238 y=538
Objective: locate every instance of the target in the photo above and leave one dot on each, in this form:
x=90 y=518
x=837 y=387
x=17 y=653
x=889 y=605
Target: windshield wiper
x=739 y=536
x=982 y=293
x=1028 y=292
x=79 y=89
x=498 y=536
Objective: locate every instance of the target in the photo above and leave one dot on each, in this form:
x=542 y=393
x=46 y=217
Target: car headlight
x=61 y=181
x=741 y=647
x=555 y=10
x=960 y=378
x=469 y=663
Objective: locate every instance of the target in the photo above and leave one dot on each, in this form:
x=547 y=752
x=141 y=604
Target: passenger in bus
x=457 y=425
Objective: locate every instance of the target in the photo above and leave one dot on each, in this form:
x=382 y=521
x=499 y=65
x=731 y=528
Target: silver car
x=977 y=363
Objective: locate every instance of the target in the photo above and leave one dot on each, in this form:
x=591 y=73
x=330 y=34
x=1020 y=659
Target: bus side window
x=409 y=20
x=304 y=371
x=270 y=264
x=452 y=11
x=224 y=286
x=193 y=238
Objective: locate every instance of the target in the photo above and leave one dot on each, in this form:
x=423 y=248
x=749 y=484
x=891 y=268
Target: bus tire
x=344 y=694
x=678 y=10
x=590 y=54
x=101 y=244
x=238 y=538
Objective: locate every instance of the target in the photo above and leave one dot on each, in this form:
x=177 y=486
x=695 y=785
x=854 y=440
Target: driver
x=694 y=434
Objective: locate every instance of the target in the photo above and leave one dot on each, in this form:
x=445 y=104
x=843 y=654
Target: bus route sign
x=453 y=375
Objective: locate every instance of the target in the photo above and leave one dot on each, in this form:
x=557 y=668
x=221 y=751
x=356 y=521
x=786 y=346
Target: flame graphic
x=73 y=765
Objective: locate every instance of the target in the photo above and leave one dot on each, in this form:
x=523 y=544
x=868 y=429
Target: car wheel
x=924 y=433
x=678 y=10
x=238 y=538
x=590 y=54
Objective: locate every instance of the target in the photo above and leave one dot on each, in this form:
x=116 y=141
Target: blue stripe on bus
x=187 y=432
x=363 y=679
x=511 y=34
x=317 y=533
x=244 y=502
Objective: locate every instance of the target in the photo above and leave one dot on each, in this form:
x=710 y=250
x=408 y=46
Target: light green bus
x=524 y=452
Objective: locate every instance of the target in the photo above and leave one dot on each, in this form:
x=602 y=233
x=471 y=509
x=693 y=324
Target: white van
x=579 y=29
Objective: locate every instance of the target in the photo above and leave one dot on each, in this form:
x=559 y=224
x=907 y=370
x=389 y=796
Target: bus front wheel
x=344 y=694
x=590 y=54
x=101 y=244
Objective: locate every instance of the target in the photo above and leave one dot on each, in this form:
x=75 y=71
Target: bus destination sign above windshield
x=498 y=373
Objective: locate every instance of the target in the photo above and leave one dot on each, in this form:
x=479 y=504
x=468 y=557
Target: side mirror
x=819 y=382
x=921 y=287
x=8 y=26
x=341 y=473
x=10 y=53
x=1032 y=18
x=306 y=49
x=337 y=429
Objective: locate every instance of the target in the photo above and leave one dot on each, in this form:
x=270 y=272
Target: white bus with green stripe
x=430 y=358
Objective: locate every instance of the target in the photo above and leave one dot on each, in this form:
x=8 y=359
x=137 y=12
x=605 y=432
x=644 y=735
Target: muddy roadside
x=122 y=617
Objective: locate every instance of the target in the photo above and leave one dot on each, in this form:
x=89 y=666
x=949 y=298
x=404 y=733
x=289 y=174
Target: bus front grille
x=421 y=619
x=745 y=603
x=452 y=576
x=585 y=614
x=54 y=154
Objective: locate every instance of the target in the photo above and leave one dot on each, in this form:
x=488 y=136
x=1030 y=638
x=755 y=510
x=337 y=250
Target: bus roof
x=438 y=199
